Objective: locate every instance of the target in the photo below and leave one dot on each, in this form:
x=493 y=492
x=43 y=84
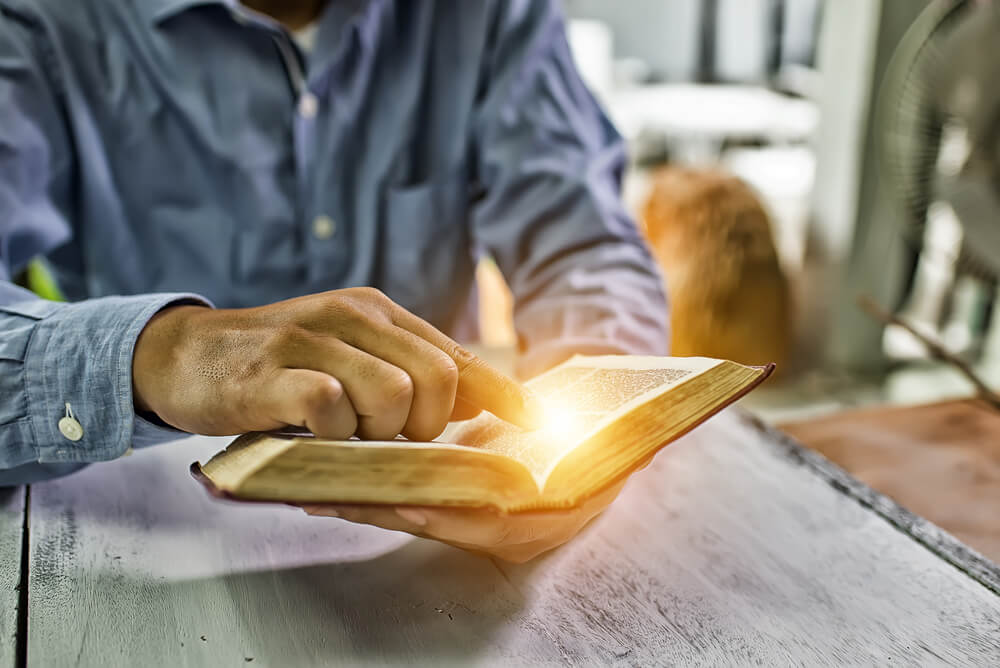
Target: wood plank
x=729 y=548
x=774 y=566
x=947 y=547
x=941 y=460
x=11 y=536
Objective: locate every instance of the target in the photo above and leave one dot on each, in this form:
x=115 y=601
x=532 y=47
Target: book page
x=580 y=397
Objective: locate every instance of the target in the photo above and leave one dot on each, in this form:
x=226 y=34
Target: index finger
x=478 y=383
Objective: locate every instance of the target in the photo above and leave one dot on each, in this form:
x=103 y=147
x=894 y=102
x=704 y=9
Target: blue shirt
x=160 y=150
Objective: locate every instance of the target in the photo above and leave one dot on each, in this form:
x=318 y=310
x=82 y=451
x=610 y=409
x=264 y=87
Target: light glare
x=559 y=420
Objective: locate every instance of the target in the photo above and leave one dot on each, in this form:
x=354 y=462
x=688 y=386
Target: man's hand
x=516 y=537
x=340 y=363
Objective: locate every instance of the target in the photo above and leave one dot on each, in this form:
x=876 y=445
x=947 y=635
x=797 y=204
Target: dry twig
x=869 y=306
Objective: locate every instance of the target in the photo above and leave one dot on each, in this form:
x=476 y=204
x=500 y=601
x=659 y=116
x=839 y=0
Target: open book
x=605 y=417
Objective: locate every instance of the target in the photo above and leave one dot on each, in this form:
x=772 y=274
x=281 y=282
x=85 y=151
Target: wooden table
x=11 y=563
x=735 y=546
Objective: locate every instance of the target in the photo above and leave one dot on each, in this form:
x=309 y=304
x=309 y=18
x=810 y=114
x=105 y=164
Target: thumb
x=310 y=399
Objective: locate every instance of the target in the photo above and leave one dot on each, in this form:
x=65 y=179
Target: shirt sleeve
x=55 y=357
x=550 y=165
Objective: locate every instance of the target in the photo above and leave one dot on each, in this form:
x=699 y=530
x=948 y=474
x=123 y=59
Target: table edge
x=934 y=538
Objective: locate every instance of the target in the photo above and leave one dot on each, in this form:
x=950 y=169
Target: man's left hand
x=516 y=537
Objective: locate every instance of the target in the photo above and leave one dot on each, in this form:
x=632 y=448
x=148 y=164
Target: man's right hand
x=339 y=363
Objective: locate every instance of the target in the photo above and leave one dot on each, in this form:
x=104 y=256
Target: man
x=243 y=155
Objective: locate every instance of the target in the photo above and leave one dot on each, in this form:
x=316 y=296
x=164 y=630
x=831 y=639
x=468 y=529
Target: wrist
x=156 y=348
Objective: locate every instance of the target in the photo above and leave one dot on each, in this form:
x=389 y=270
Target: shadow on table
x=11 y=495
x=423 y=602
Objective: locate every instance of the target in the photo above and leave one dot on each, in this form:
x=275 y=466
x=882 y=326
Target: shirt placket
x=321 y=227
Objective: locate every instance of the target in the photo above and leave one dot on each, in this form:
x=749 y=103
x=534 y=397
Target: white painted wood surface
x=731 y=548
x=11 y=535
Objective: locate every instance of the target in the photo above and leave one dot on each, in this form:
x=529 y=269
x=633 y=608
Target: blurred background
x=868 y=132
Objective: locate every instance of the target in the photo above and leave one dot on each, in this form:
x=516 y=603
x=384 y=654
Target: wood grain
x=941 y=460
x=11 y=534
x=729 y=548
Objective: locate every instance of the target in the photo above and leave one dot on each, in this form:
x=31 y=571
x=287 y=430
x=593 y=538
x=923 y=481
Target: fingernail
x=321 y=510
x=412 y=516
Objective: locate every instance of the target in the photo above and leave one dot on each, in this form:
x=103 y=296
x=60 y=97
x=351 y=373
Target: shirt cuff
x=541 y=358
x=79 y=362
x=146 y=433
x=552 y=332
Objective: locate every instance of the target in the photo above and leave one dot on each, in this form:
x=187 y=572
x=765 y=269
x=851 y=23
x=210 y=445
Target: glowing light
x=560 y=420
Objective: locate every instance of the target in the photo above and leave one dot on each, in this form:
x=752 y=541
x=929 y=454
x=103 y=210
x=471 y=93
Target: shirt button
x=324 y=227
x=70 y=428
x=308 y=105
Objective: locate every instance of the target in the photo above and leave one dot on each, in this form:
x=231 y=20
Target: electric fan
x=938 y=128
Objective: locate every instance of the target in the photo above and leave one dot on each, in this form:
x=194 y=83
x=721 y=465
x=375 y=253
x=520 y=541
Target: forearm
x=56 y=358
x=550 y=164
x=583 y=278
x=605 y=299
x=51 y=354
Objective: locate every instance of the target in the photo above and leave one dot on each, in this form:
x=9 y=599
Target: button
x=70 y=428
x=324 y=227
x=308 y=105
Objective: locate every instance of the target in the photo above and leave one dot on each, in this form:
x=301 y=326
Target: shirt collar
x=161 y=10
